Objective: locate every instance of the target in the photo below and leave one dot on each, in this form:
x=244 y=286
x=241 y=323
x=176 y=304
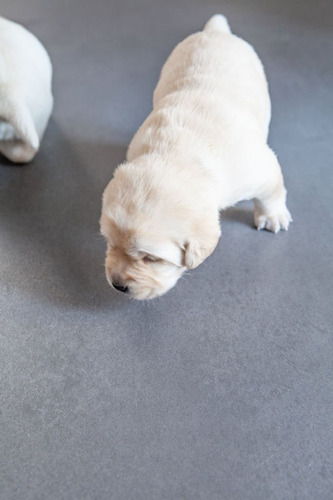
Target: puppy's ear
x=200 y=246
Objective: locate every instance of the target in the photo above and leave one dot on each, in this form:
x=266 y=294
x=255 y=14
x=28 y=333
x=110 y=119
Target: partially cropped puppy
x=25 y=92
x=202 y=149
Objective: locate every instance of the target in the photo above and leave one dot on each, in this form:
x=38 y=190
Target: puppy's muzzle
x=116 y=282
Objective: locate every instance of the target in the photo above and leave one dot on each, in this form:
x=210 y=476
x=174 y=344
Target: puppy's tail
x=217 y=23
x=14 y=111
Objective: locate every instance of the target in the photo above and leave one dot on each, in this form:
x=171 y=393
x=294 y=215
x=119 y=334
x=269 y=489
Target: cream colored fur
x=25 y=92
x=202 y=148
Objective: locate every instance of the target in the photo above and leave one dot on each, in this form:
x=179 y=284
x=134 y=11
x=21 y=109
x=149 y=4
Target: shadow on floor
x=49 y=213
x=242 y=214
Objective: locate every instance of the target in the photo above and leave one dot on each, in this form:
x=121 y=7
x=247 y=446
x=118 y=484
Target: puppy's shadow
x=49 y=212
x=241 y=214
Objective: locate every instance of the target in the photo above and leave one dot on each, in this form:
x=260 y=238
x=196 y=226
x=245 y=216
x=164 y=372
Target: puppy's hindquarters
x=19 y=139
x=25 y=91
x=7 y=132
x=270 y=210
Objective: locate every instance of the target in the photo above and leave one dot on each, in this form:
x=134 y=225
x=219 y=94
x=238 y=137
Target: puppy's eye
x=148 y=258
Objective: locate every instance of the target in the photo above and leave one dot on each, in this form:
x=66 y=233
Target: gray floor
x=223 y=389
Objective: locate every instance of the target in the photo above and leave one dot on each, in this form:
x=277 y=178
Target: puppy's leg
x=7 y=132
x=17 y=151
x=270 y=210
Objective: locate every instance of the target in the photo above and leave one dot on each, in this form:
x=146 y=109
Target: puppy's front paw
x=272 y=222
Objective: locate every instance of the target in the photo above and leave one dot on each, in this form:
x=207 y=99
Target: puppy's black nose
x=120 y=288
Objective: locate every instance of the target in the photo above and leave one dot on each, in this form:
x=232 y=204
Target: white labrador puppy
x=202 y=149
x=25 y=92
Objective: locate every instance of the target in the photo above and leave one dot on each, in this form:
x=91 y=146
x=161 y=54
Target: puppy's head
x=153 y=233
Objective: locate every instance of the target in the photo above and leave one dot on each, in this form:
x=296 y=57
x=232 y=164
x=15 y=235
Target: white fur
x=218 y=23
x=25 y=92
x=202 y=149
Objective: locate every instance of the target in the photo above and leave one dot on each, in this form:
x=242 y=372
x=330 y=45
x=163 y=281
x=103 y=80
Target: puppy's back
x=222 y=67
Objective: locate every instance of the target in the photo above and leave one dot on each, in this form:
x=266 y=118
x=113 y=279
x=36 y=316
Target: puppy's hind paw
x=272 y=222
